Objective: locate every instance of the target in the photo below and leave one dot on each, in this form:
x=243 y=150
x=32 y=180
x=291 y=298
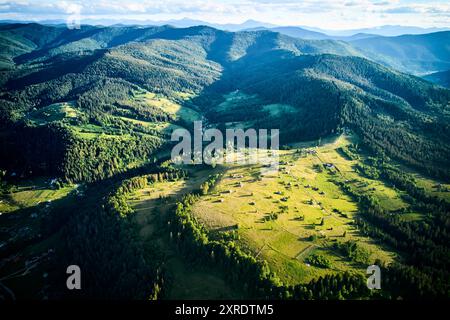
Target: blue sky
x=331 y=14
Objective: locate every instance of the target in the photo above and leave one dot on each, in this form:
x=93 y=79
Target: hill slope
x=416 y=54
x=441 y=78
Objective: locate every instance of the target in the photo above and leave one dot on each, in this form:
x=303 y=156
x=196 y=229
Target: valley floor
x=288 y=219
x=299 y=219
x=296 y=214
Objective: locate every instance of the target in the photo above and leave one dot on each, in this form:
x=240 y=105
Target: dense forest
x=425 y=273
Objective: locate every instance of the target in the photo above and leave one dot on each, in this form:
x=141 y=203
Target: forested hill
x=139 y=55
x=417 y=54
x=441 y=78
x=400 y=115
x=44 y=42
x=108 y=95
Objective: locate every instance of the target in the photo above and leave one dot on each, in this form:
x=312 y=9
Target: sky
x=325 y=14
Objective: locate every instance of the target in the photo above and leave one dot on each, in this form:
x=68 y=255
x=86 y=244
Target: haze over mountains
x=386 y=30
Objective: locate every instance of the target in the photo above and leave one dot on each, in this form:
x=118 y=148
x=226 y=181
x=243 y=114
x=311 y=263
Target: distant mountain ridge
x=441 y=78
x=415 y=54
x=304 y=33
x=385 y=30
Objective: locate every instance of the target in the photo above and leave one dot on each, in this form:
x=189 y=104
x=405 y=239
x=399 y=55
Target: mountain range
x=418 y=54
x=317 y=87
x=441 y=78
x=386 y=30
